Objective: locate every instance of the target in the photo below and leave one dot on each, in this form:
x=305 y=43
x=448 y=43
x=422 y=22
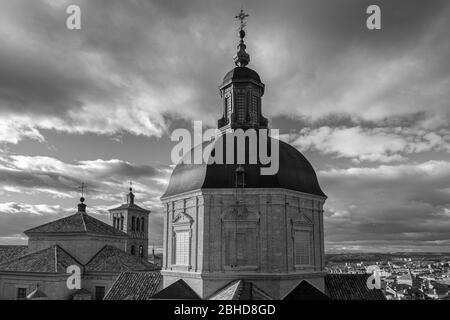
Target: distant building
x=101 y=251
x=156 y=259
x=405 y=279
x=133 y=220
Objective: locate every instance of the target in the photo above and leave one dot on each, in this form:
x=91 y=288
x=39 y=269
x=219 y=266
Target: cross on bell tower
x=130 y=195
x=133 y=220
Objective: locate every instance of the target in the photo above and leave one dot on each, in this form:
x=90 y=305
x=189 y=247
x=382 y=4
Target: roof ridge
x=240 y=288
x=69 y=254
x=78 y=223
x=130 y=206
x=44 y=258
x=117 y=231
x=58 y=247
x=257 y=289
x=56 y=258
x=95 y=255
x=82 y=219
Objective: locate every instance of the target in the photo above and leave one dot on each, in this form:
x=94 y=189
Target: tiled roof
x=351 y=287
x=406 y=276
x=37 y=294
x=82 y=291
x=112 y=259
x=130 y=206
x=306 y=291
x=8 y=253
x=179 y=290
x=51 y=260
x=230 y=292
x=240 y=290
x=135 y=286
x=77 y=223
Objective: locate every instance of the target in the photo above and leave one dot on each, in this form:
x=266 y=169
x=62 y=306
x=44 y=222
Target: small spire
x=82 y=205
x=130 y=196
x=242 y=58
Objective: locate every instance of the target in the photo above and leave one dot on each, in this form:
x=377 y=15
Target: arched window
x=133 y=250
x=143 y=224
x=141 y=251
x=138 y=224
x=133 y=223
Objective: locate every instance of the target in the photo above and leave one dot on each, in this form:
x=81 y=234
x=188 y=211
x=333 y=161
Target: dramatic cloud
x=136 y=65
x=24 y=175
x=371 y=144
x=45 y=174
x=370 y=109
x=409 y=202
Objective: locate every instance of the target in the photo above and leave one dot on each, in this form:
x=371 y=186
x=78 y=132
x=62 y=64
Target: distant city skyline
x=369 y=108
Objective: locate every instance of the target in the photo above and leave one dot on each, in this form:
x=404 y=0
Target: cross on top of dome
x=242 y=58
x=242 y=16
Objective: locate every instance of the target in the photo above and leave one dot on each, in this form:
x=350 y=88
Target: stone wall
x=242 y=234
x=54 y=286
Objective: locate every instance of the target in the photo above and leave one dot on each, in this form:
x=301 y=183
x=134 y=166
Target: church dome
x=295 y=173
x=241 y=73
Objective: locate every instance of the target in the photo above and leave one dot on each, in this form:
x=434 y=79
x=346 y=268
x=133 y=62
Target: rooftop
x=51 y=260
x=135 y=286
x=112 y=259
x=179 y=290
x=8 y=253
x=80 y=222
x=351 y=287
x=240 y=290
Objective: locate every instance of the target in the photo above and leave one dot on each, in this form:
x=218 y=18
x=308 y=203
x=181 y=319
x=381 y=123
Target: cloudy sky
x=370 y=109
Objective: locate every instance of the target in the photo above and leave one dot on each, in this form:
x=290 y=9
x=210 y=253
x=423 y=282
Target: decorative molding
x=302 y=220
x=182 y=218
x=241 y=213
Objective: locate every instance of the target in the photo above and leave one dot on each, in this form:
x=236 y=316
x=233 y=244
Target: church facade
x=227 y=222
x=101 y=251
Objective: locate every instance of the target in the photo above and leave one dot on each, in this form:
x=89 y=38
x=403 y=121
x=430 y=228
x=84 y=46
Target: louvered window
x=227 y=108
x=253 y=112
x=303 y=248
x=240 y=107
x=182 y=248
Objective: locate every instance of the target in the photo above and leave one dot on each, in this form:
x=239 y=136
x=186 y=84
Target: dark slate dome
x=295 y=173
x=241 y=73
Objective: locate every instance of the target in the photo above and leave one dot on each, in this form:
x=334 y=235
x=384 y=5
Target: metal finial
x=82 y=189
x=242 y=58
x=130 y=196
x=81 y=205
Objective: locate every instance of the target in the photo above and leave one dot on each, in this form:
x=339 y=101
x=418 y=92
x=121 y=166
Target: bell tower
x=133 y=220
x=241 y=91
